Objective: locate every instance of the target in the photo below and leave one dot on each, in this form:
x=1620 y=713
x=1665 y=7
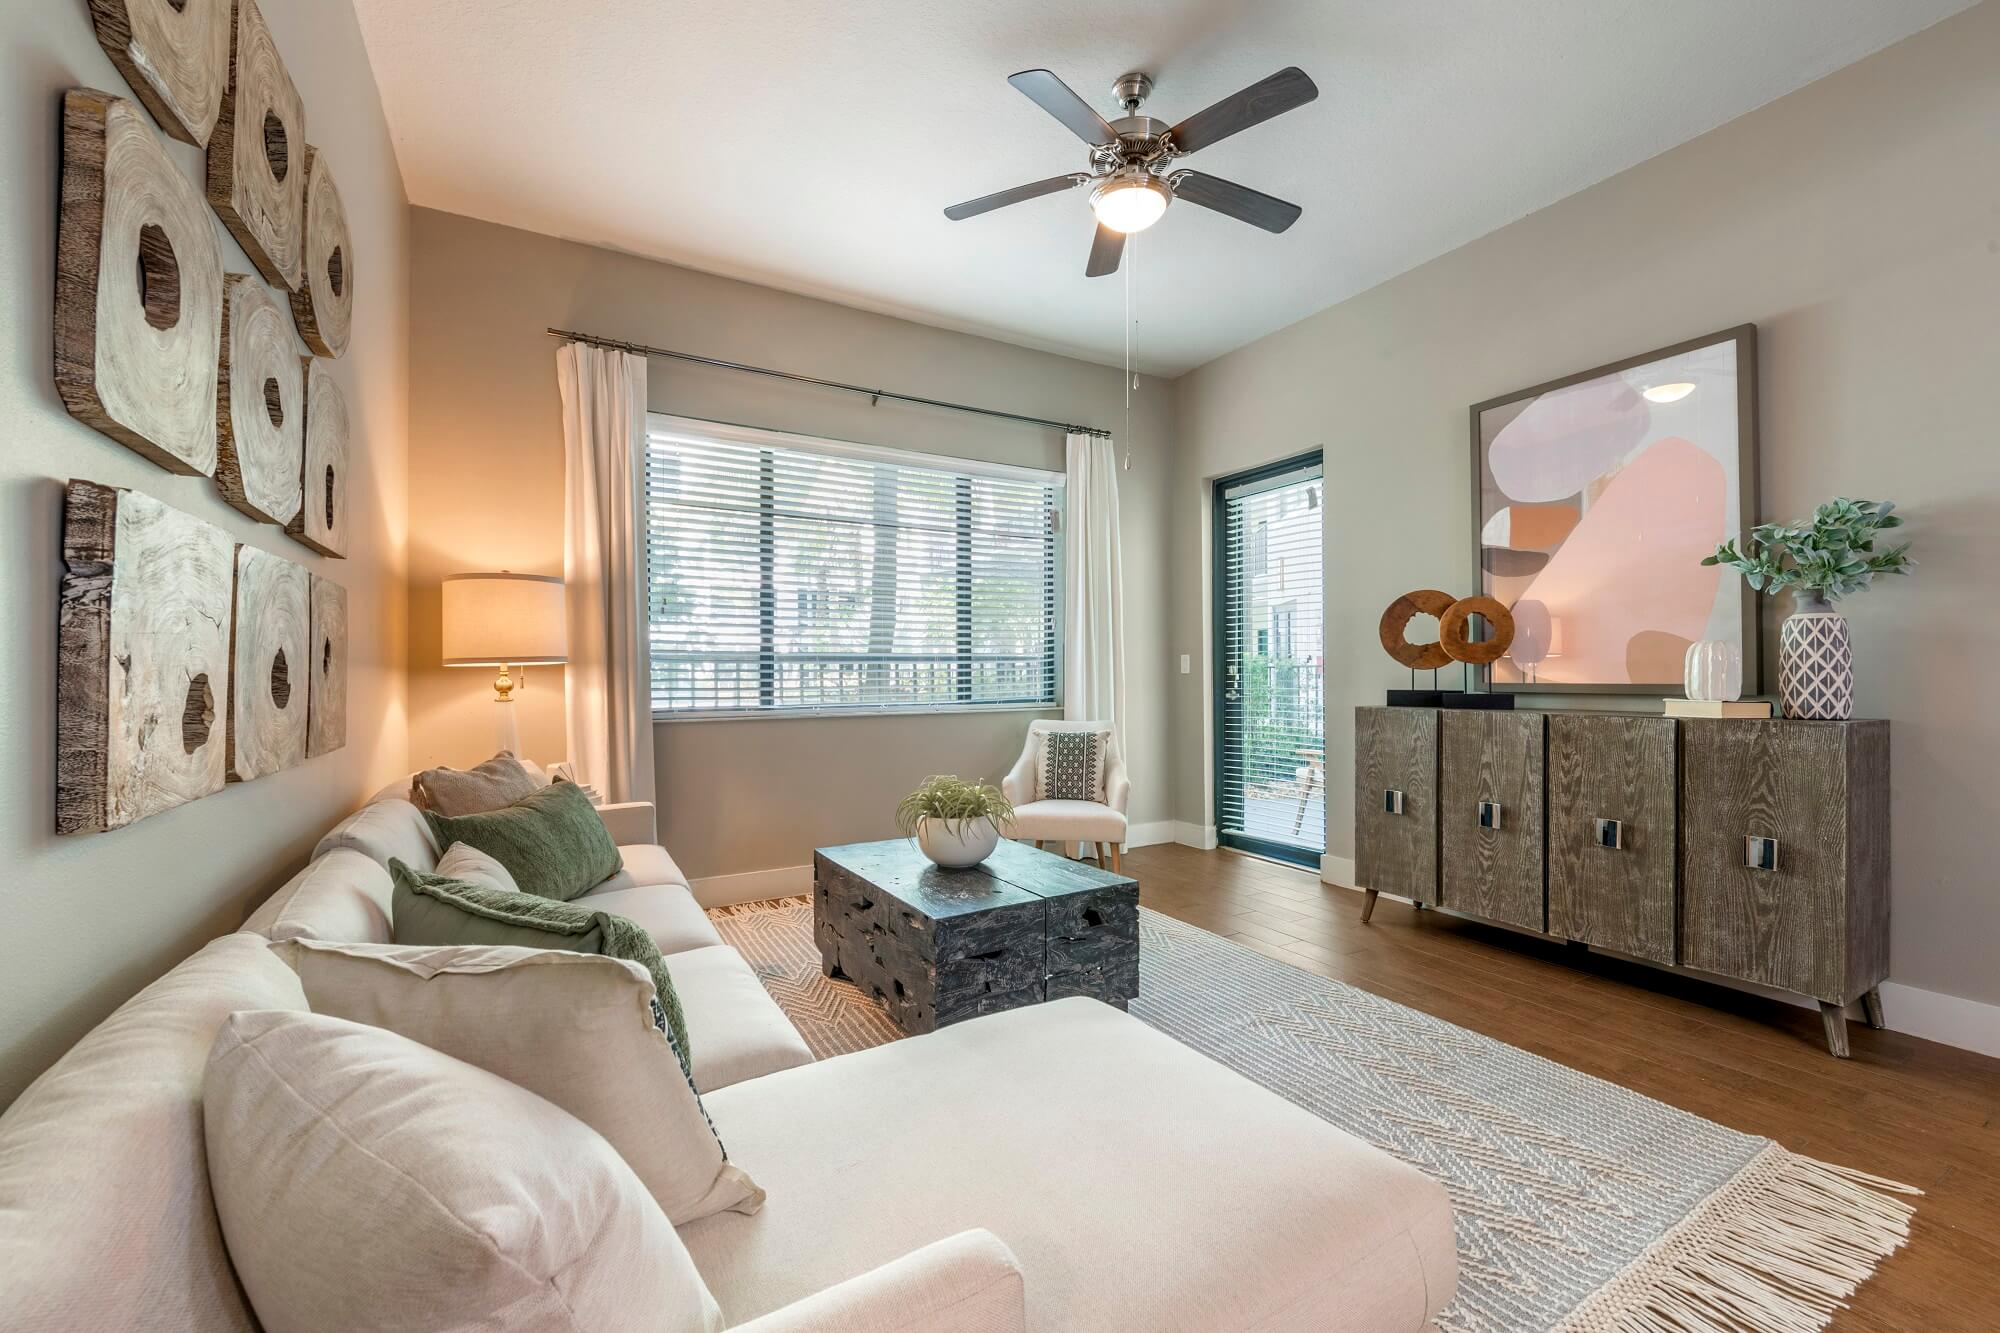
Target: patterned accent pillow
x=1073 y=765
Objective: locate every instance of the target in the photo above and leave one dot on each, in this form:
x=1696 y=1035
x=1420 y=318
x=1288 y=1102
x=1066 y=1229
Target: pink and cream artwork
x=1598 y=497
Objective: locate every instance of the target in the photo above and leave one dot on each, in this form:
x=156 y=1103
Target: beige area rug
x=1580 y=1206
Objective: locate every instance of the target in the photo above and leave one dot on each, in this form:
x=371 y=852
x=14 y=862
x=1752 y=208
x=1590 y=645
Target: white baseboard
x=1151 y=835
x=1199 y=836
x=1971 y=1025
x=1337 y=870
x=752 y=886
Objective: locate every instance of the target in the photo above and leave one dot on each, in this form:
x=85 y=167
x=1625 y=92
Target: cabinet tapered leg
x=1368 y=906
x=1835 y=1018
x=1871 y=1005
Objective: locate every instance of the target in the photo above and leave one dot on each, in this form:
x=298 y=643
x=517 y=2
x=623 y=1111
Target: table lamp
x=504 y=620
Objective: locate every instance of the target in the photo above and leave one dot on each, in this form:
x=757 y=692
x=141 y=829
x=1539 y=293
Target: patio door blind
x=1270 y=780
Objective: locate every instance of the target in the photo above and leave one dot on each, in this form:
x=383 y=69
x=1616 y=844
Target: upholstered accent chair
x=1040 y=817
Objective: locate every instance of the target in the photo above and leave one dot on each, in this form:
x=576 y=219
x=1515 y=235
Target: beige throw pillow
x=493 y=785
x=464 y=862
x=364 y=1181
x=578 y=1029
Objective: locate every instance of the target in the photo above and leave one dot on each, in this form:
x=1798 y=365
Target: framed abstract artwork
x=1594 y=499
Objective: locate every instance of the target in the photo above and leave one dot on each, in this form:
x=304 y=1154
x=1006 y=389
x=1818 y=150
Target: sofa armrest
x=1019 y=784
x=968 y=1283
x=630 y=822
x=1117 y=783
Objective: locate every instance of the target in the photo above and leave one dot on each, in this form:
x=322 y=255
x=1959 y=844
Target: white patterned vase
x=1714 y=671
x=1816 y=663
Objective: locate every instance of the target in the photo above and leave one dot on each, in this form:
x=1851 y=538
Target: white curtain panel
x=607 y=683
x=1093 y=588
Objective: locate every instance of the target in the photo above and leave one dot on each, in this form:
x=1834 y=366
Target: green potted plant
x=955 y=823
x=1822 y=560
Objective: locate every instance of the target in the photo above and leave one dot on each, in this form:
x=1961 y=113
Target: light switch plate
x=1187 y=664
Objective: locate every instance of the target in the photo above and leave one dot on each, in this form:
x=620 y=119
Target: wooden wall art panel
x=256 y=156
x=260 y=402
x=322 y=520
x=174 y=54
x=326 y=709
x=269 y=659
x=138 y=288
x=323 y=305
x=142 y=658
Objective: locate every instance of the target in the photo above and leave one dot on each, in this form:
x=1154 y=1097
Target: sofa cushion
x=499 y=782
x=551 y=841
x=645 y=863
x=106 y=1218
x=1140 y=1185
x=577 y=1029
x=473 y=866
x=1068 y=821
x=430 y=909
x=384 y=831
x=667 y=912
x=737 y=1030
x=1072 y=762
x=341 y=896
x=368 y=1181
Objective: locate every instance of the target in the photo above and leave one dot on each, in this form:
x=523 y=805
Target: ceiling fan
x=1131 y=158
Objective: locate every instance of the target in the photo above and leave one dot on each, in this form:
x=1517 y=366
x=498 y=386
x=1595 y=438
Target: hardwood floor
x=1903 y=1108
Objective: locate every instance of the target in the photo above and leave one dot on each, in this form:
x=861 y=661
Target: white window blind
x=787 y=574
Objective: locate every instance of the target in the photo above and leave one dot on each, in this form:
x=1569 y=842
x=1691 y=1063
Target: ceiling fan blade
x=1054 y=96
x=986 y=203
x=1106 y=249
x=1238 y=201
x=1283 y=91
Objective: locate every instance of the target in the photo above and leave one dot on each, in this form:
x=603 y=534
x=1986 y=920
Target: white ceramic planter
x=956 y=844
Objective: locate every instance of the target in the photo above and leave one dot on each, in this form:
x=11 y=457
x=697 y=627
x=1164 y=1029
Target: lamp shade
x=504 y=620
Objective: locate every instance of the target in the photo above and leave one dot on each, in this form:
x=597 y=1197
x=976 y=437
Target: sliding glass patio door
x=1270 y=662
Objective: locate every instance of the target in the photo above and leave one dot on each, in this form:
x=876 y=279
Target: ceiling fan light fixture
x=1130 y=201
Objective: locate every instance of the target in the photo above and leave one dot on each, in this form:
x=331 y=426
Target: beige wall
x=486 y=486
x=1857 y=223
x=91 y=918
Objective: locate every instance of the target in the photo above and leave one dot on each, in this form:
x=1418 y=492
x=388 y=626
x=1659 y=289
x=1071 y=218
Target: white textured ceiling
x=811 y=146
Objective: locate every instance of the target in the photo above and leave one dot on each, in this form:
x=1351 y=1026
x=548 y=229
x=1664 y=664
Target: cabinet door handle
x=1392 y=801
x=1489 y=814
x=1760 y=853
x=1609 y=834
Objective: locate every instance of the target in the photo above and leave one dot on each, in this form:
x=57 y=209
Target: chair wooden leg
x=1368 y=906
x=1117 y=860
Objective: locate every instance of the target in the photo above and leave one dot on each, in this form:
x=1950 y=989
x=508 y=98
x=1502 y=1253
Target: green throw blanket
x=432 y=909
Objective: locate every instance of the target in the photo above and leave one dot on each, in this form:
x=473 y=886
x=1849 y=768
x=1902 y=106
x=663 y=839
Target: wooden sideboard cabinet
x=1756 y=850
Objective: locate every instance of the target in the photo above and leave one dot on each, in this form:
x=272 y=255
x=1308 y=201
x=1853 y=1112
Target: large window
x=789 y=574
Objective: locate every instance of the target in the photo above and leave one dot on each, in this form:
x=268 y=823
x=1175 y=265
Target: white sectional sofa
x=1052 y=1168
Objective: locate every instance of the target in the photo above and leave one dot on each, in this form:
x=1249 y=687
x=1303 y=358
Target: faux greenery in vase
x=955 y=823
x=1833 y=555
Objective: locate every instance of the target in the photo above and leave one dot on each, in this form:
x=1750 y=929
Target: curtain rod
x=874 y=395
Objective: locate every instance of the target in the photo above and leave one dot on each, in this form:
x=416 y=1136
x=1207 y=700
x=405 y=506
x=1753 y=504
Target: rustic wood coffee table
x=936 y=946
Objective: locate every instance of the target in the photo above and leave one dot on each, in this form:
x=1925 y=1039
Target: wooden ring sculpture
x=138 y=288
x=322 y=519
x=1453 y=623
x=323 y=306
x=1416 y=656
x=260 y=405
x=175 y=54
x=256 y=155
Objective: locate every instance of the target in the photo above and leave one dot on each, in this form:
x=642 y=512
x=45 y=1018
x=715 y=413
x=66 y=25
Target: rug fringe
x=1778 y=1249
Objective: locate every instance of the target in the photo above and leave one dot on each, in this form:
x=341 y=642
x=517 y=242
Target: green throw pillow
x=432 y=909
x=553 y=842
